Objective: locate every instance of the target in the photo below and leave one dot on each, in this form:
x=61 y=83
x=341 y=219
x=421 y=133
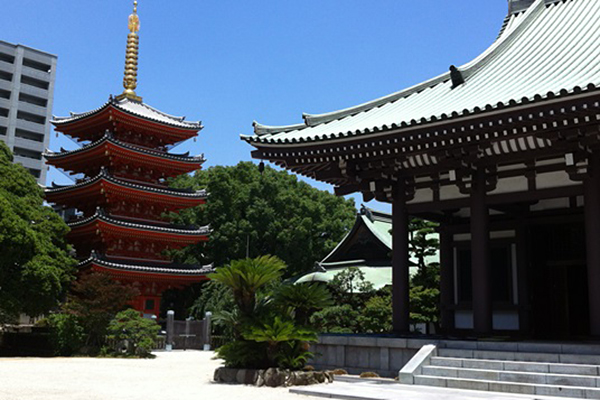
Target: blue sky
x=229 y=62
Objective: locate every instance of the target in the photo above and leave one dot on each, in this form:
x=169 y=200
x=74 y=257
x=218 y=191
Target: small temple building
x=367 y=247
x=121 y=193
x=503 y=152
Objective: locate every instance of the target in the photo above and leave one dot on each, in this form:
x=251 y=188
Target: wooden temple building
x=122 y=195
x=367 y=247
x=503 y=152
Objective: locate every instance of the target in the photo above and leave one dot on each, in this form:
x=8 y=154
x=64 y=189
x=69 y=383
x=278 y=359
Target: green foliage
x=376 y=316
x=336 y=319
x=269 y=213
x=244 y=354
x=263 y=320
x=35 y=265
x=67 y=335
x=245 y=277
x=94 y=299
x=302 y=300
x=422 y=241
x=218 y=299
x=349 y=286
x=139 y=333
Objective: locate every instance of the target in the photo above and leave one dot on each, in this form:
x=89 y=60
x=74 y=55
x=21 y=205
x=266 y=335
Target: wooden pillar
x=480 y=257
x=400 y=260
x=447 y=299
x=592 y=236
x=523 y=243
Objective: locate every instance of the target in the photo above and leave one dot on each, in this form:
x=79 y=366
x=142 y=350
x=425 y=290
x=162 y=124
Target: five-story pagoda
x=121 y=193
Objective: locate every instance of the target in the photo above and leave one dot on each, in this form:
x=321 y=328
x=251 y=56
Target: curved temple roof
x=104 y=175
x=135 y=108
x=108 y=137
x=100 y=215
x=168 y=269
x=550 y=50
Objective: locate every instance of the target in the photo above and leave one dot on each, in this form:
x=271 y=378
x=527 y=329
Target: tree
x=422 y=241
x=35 y=265
x=253 y=213
x=139 y=333
x=95 y=299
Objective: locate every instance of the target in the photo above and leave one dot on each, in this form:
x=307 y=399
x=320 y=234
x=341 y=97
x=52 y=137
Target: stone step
x=521 y=356
x=513 y=376
x=509 y=387
x=521 y=366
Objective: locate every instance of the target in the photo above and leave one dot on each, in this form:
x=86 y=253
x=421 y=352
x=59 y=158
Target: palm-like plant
x=278 y=331
x=245 y=277
x=303 y=299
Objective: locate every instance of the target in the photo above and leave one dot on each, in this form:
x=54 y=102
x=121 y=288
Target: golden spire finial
x=131 y=57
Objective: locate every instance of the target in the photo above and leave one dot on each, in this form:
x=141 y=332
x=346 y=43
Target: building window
x=34 y=172
x=21 y=152
x=4 y=94
x=36 y=65
x=3 y=112
x=27 y=80
x=36 y=101
x=2 y=130
x=7 y=76
x=25 y=116
x=23 y=134
x=149 y=305
x=7 y=58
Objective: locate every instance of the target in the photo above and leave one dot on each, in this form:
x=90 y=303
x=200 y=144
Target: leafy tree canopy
x=270 y=213
x=35 y=266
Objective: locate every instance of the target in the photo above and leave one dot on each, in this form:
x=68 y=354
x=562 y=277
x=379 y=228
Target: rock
x=260 y=379
x=225 y=375
x=247 y=376
x=274 y=377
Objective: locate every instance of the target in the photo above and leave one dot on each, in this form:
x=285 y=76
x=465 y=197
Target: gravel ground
x=176 y=375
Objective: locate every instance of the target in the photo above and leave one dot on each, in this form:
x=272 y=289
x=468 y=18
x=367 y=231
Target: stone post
x=170 y=330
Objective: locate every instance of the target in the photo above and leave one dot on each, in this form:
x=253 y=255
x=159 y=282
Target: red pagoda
x=121 y=193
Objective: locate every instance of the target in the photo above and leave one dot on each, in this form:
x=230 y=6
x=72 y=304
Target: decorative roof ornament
x=131 y=58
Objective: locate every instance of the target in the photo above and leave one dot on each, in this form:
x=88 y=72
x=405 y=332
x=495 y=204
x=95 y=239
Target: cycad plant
x=245 y=277
x=270 y=328
x=302 y=300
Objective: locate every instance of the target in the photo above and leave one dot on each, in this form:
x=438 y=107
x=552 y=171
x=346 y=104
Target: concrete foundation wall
x=357 y=354
x=387 y=356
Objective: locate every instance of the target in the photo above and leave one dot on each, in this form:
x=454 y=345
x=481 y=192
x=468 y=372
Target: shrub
x=244 y=354
x=66 y=334
x=138 y=333
x=336 y=319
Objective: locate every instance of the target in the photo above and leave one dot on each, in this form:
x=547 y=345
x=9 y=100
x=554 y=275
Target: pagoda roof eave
x=103 y=175
x=100 y=216
x=172 y=270
x=542 y=54
x=108 y=138
x=134 y=108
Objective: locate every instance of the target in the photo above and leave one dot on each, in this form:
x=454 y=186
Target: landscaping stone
x=272 y=377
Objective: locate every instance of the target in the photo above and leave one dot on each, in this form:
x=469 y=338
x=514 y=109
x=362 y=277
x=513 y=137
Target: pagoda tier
x=123 y=197
x=123 y=160
x=118 y=237
x=131 y=121
x=151 y=279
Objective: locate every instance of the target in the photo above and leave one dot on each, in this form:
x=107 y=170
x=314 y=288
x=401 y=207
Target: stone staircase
x=534 y=373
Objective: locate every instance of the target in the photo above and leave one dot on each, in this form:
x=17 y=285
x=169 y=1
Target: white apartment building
x=26 y=94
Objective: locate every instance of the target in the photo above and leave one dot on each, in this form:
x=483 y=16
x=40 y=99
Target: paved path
x=176 y=375
x=390 y=390
x=183 y=375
